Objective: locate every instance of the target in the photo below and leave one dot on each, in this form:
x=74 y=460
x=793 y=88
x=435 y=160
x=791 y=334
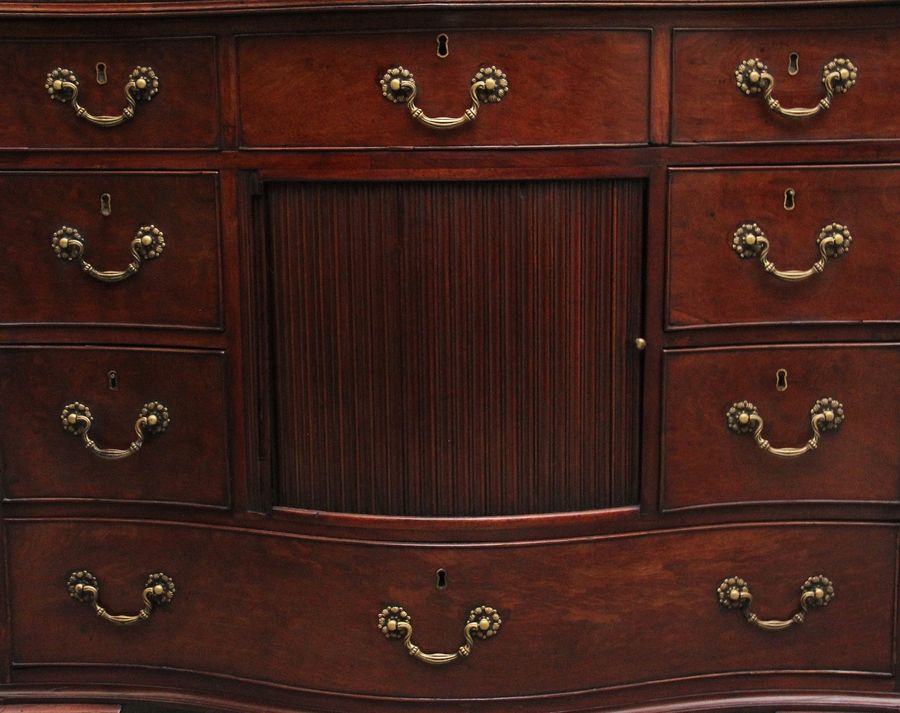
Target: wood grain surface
x=453 y=349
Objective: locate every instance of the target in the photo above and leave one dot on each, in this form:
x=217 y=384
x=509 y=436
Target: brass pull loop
x=489 y=86
x=734 y=593
x=77 y=419
x=142 y=86
x=147 y=244
x=752 y=77
x=159 y=590
x=483 y=623
x=825 y=415
x=750 y=242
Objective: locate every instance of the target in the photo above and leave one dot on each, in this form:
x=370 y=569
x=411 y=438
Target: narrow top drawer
x=41 y=111
x=709 y=106
x=560 y=87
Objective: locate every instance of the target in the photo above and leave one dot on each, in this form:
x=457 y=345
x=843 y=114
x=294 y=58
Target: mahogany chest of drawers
x=485 y=357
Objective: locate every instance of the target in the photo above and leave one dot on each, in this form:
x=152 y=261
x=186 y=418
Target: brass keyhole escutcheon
x=790 y=198
x=443 y=45
x=781 y=383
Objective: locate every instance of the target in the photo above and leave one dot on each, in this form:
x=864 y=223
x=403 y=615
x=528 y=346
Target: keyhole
x=105 y=204
x=101 y=72
x=441 y=579
x=443 y=45
x=789 y=198
x=112 y=379
x=793 y=63
x=781 y=380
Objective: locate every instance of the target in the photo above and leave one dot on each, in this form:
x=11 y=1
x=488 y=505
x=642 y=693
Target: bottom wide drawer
x=529 y=618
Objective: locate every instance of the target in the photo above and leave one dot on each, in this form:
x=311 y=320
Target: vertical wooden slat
x=454 y=349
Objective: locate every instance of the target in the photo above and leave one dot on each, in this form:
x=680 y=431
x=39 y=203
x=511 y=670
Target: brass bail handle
x=752 y=77
x=77 y=419
x=749 y=242
x=159 y=590
x=483 y=623
x=142 y=85
x=488 y=86
x=816 y=592
x=827 y=414
x=148 y=244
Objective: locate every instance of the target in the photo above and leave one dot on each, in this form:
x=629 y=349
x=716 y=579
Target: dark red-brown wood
x=453 y=349
x=708 y=106
x=579 y=615
x=184 y=114
x=710 y=285
x=250 y=392
x=706 y=464
x=179 y=289
x=566 y=87
x=188 y=463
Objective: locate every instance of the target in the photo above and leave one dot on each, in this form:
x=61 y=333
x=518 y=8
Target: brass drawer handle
x=159 y=590
x=77 y=419
x=734 y=593
x=752 y=77
x=142 y=86
x=148 y=244
x=483 y=623
x=489 y=86
x=826 y=415
x=750 y=242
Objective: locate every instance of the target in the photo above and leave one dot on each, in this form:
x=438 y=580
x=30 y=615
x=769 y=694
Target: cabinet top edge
x=65 y=8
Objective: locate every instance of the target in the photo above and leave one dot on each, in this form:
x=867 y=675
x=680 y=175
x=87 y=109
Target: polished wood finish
x=603 y=609
x=180 y=289
x=41 y=460
x=438 y=350
x=707 y=105
x=64 y=708
x=311 y=622
x=183 y=115
x=709 y=285
x=566 y=87
x=860 y=461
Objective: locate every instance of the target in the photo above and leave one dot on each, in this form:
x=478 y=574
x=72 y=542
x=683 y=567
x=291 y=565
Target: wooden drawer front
x=42 y=460
x=575 y=616
x=565 y=87
x=184 y=112
x=709 y=106
x=706 y=463
x=710 y=284
x=179 y=288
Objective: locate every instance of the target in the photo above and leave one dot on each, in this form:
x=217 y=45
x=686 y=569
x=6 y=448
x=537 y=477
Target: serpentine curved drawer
x=305 y=613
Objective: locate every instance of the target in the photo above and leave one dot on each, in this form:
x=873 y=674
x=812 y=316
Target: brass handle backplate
x=483 y=623
x=750 y=242
x=488 y=86
x=148 y=244
x=826 y=415
x=77 y=419
x=734 y=593
x=159 y=590
x=752 y=77
x=142 y=86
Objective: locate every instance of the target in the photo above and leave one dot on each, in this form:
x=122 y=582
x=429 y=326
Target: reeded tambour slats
x=451 y=349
